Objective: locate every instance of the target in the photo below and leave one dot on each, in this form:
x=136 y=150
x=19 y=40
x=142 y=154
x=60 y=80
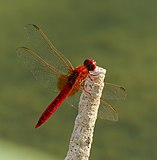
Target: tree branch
x=82 y=136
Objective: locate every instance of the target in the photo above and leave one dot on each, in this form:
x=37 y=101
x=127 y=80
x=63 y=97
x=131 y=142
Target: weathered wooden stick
x=82 y=136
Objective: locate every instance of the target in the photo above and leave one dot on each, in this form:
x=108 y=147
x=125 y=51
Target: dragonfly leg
x=85 y=89
x=91 y=76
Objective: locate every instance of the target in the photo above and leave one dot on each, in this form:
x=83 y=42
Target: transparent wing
x=113 y=92
x=106 y=111
x=46 y=50
x=40 y=68
x=44 y=60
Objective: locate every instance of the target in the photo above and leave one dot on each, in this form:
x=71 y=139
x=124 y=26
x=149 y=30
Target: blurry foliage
x=120 y=35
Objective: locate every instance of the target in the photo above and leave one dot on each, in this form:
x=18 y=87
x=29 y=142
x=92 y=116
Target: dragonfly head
x=90 y=64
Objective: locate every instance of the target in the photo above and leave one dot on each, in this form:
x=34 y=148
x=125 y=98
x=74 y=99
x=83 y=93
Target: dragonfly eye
x=90 y=64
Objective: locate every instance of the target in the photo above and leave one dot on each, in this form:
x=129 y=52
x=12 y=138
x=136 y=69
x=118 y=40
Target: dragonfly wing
x=113 y=92
x=40 y=68
x=106 y=111
x=46 y=50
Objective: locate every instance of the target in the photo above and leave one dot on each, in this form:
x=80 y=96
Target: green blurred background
x=121 y=36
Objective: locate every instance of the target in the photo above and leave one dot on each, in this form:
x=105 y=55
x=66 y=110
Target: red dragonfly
x=49 y=64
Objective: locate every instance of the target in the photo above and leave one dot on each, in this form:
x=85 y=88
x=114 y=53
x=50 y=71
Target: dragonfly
x=51 y=67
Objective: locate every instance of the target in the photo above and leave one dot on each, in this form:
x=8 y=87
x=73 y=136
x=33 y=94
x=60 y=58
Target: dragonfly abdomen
x=64 y=93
